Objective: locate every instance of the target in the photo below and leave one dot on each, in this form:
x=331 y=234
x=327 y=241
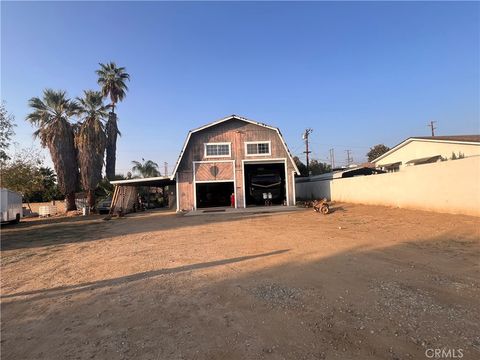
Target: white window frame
x=258 y=142
x=218 y=156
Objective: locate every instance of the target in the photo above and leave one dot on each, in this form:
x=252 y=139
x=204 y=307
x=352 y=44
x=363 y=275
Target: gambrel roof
x=228 y=118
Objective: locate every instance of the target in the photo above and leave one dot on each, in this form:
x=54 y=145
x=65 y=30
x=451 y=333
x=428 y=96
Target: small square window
x=260 y=148
x=217 y=150
x=263 y=148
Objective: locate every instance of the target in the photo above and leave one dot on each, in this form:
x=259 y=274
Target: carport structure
x=125 y=195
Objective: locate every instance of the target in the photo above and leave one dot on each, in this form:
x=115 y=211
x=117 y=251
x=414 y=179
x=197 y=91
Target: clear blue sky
x=357 y=73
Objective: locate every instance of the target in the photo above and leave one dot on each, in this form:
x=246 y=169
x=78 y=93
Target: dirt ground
x=361 y=283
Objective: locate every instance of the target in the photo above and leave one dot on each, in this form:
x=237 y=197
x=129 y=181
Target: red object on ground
x=232 y=200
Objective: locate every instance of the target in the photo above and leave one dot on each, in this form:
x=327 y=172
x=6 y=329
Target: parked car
x=103 y=206
x=11 y=206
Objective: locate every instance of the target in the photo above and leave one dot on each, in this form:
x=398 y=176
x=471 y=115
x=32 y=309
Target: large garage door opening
x=264 y=180
x=214 y=194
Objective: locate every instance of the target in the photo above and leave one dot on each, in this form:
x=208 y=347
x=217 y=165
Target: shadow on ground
x=54 y=232
x=93 y=285
x=383 y=303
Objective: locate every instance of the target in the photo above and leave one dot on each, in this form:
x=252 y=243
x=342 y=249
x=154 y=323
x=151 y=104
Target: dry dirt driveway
x=361 y=283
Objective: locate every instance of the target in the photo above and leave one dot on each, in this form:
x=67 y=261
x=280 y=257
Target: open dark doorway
x=214 y=194
x=264 y=178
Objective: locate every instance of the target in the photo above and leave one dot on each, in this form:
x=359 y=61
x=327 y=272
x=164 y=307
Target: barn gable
x=227 y=119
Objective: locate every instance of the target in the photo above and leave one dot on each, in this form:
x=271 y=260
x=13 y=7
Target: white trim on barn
x=243 y=186
x=195 y=182
x=194 y=188
x=235 y=182
x=259 y=142
x=286 y=182
x=210 y=161
x=293 y=187
x=211 y=181
x=217 y=156
x=261 y=161
x=177 y=195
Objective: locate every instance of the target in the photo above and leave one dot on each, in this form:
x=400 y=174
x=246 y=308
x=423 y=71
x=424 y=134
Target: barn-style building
x=238 y=156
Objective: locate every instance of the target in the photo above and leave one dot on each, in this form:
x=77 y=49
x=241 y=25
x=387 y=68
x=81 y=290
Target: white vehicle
x=11 y=206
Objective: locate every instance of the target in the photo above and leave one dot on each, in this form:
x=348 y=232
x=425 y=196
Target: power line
x=349 y=157
x=432 y=127
x=332 y=158
x=345 y=146
x=305 y=136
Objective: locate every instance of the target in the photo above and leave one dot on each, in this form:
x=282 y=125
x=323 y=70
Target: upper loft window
x=257 y=148
x=217 y=150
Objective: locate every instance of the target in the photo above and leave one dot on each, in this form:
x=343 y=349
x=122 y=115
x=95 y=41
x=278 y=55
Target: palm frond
x=51 y=115
x=112 y=80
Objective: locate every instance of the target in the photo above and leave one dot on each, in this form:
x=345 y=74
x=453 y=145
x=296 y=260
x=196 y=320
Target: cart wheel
x=325 y=209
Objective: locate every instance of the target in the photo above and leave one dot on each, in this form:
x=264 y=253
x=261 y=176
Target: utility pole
x=349 y=157
x=305 y=136
x=432 y=127
x=165 y=168
x=332 y=158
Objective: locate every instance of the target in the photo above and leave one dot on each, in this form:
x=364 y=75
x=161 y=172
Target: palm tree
x=91 y=140
x=51 y=115
x=112 y=79
x=147 y=169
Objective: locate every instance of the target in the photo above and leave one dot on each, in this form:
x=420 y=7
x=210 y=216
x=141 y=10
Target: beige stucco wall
x=449 y=186
x=418 y=149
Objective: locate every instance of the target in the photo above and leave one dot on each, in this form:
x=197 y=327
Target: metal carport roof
x=158 y=181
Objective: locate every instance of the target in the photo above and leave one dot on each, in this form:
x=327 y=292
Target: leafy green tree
x=51 y=114
x=112 y=80
x=23 y=174
x=301 y=166
x=105 y=188
x=50 y=186
x=318 y=168
x=146 y=168
x=50 y=190
x=7 y=123
x=376 y=151
x=90 y=140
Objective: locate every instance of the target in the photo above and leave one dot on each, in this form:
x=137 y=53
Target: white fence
x=449 y=186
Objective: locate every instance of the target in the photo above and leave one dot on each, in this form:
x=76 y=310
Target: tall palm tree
x=146 y=169
x=51 y=115
x=112 y=80
x=91 y=140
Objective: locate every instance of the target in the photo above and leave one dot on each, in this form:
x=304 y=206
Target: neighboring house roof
x=466 y=139
x=342 y=173
x=461 y=138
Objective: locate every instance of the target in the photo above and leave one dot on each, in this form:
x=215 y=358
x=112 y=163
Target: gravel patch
x=279 y=296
